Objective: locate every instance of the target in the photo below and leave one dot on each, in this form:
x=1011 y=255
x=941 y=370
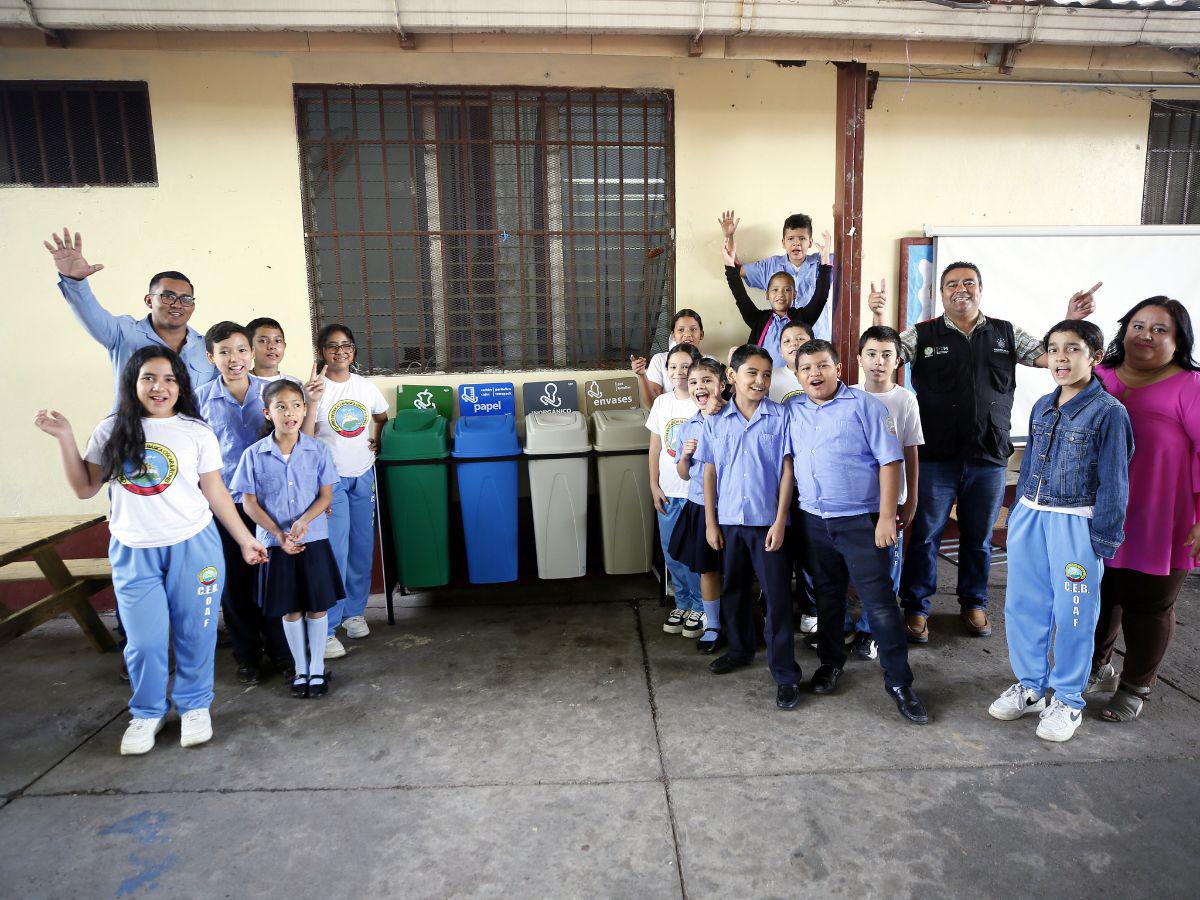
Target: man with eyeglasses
x=964 y=373
x=169 y=297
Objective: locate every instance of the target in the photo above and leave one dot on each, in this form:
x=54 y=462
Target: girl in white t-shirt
x=669 y=412
x=349 y=414
x=163 y=466
x=686 y=328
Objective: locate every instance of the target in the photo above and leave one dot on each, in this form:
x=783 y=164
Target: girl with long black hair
x=164 y=466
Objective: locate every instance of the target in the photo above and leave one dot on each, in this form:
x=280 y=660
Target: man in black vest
x=964 y=372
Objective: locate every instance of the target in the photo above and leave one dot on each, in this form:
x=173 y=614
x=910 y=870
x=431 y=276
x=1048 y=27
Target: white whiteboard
x=1030 y=273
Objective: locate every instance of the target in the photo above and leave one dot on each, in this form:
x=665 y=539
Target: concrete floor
x=553 y=742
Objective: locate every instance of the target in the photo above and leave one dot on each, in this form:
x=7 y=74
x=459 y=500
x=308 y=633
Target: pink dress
x=1164 y=477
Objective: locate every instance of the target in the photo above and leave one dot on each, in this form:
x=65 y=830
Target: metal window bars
x=477 y=228
x=1171 y=195
x=72 y=133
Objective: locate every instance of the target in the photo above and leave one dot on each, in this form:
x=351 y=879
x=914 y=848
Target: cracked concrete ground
x=548 y=740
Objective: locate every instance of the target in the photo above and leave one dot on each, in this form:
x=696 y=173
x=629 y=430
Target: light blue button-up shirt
x=694 y=428
x=238 y=425
x=771 y=339
x=748 y=457
x=838 y=448
x=122 y=336
x=286 y=489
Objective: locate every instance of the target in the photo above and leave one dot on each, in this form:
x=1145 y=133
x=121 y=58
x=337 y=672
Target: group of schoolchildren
x=771 y=468
x=768 y=468
x=251 y=493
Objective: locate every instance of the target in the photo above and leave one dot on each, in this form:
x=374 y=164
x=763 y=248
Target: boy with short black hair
x=232 y=405
x=268 y=343
x=847 y=463
x=747 y=491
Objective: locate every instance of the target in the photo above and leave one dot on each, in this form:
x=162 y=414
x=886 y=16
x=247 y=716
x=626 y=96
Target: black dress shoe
x=318 y=685
x=787 y=696
x=723 y=665
x=825 y=679
x=711 y=646
x=910 y=707
x=248 y=675
x=300 y=686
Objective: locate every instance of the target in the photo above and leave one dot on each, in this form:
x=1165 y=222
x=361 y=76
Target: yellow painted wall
x=747 y=134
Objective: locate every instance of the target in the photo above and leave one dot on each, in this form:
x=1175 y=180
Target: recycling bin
x=626 y=504
x=558 y=489
x=413 y=459
x=488 y=492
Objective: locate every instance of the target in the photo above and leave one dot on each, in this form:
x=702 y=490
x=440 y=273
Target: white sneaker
x=139 y=736
x=356 y=627
x=195 y=728
x=1059 y=722
x=1103 y=681
x=1015 y=702
x=334 y=648
x=808 y=624
x=693 y=624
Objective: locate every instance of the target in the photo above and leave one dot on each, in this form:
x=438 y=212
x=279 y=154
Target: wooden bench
x=91 y=569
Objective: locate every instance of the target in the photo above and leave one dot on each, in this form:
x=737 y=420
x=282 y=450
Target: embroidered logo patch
x=348 y=418
x=208 y=575
x=929 y=351
x=1075 y=573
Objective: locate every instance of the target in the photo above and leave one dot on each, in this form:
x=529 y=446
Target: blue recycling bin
x=488 y=492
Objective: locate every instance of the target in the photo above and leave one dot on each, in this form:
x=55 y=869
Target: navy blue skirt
x=688 y=543
x=306 y=582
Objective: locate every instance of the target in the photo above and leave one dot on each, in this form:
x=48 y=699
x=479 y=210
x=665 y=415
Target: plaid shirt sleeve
x=1028 y=347
x=908 y=344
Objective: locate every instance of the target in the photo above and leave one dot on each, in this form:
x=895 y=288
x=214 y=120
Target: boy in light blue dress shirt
x=847 y=468
x=747 y=492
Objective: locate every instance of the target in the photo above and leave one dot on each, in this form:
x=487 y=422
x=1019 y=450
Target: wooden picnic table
x=37 y=538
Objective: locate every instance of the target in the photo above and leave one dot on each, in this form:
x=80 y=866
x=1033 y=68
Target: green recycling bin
x=413 y=456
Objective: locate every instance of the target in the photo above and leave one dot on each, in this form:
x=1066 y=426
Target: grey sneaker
x=1103 y=680
x=674 y=623
x=693 y=624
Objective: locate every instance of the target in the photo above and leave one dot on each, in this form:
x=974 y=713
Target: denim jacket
x=1078 y=455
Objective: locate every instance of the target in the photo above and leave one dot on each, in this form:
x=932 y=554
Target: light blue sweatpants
x=1053 y=585
x=169 y=597
x=352 y=537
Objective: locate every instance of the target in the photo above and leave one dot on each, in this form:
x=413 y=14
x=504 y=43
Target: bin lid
x=556 y=432
x=486 y=436
x=620 y=429
x=415 y=434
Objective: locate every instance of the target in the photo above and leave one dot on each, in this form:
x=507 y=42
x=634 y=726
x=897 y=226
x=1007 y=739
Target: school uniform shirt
x=269 y=378
x=286 y=486
x=344 y=421
x=121 y=336
x=784 y=385
x=237 y=424
x=694 y=428
x=163 y=505
x=748 y=458
x=906 y=416
x=838 y=448
x=667 y=415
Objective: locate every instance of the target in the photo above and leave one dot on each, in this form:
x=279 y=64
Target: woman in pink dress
x=1149 y=368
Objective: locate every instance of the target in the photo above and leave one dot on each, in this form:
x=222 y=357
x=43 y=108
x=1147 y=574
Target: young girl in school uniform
x=707 y=386
x=163 y=465
x=669 y=412
x=347 y=413
x=286 y=480
x=686 y=328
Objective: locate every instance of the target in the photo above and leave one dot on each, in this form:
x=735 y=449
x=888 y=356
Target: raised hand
x=53 y=423
x=728 y=224
x=1083 y=303
x=877 y=299
x=729 y=252
x=638 y=364
x=68 y=256
x=315 y=386
x=824 y=246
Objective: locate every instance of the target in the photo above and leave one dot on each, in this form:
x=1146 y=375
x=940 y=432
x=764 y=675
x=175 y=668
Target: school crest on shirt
x=160 y=469
x=348 y=418
x=671 y=440
x=1075 y=573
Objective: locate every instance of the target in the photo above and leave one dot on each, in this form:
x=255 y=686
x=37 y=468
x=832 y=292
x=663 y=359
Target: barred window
x=71 y=133
x=1172 y=191
x=460 y=229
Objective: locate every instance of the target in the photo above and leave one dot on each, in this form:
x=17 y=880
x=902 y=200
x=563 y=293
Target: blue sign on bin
x=497 y=399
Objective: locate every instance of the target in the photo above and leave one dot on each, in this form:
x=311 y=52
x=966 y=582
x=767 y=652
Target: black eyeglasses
x=333 y=348
x=170 y=298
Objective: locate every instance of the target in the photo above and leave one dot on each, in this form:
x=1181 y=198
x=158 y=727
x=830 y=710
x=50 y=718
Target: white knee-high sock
x=318 y=631
x=294 y=632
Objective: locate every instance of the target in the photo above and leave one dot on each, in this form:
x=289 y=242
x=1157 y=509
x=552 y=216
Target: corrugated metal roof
x=1148 y=5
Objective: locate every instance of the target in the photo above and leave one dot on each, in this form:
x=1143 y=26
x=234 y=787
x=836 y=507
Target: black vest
x=965 y=390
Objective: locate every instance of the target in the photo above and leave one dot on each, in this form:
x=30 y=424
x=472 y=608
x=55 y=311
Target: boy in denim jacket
x=1072 y=491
